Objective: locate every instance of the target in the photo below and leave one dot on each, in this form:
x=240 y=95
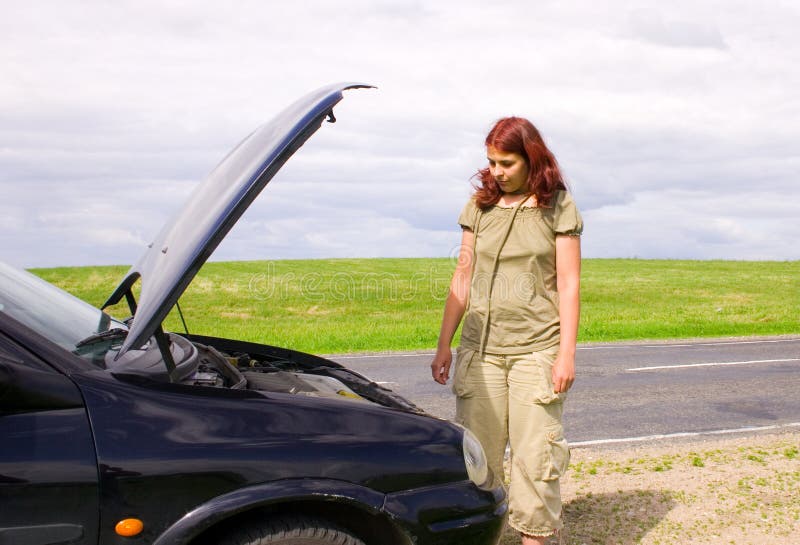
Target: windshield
x=55 y=314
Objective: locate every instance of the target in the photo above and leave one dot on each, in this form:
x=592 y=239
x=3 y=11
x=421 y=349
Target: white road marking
x=681 y=434
x=685 y=345
x=719 y=343
x=709 y=364
x=603 y=347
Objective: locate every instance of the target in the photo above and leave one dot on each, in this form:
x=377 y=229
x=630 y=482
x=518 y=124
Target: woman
x=517 y=285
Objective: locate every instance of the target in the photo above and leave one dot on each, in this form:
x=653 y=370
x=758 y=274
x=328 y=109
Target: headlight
x=475 y=459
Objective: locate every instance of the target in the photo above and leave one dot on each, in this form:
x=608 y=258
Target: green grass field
x=352 y=305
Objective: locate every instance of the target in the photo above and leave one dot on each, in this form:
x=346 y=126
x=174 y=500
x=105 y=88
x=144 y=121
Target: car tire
x=291 y=531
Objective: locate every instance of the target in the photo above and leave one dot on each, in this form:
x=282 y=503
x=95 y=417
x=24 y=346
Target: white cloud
x=111 y=113
x=648 y=25
x=696 y=225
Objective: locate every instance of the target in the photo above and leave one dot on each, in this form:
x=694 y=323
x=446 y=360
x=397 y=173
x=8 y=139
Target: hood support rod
x=163 y=346
x=131 y=300
x=162 y=340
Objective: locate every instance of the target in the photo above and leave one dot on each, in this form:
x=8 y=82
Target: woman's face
x=509 y=169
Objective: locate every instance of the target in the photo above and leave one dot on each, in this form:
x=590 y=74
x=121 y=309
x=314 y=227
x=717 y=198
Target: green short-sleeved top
x=523 y=307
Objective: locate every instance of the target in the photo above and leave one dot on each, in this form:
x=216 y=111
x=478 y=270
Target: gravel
x=736 y=490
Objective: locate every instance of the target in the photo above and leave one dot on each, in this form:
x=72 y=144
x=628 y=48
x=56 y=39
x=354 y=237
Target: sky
x=676 y=123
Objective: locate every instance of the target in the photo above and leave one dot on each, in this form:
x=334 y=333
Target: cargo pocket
x=556 y=453
x=464 y=357
x=534 y=378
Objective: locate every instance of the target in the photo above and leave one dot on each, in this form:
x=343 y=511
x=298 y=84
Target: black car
x=118 y=432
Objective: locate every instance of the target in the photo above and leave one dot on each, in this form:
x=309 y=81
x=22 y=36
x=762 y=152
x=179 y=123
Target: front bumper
x=454 y=514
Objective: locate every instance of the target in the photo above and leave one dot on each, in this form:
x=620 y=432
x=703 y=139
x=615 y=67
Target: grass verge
x=352 y=305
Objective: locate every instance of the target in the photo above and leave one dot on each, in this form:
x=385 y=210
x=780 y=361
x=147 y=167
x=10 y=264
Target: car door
x=48 y=468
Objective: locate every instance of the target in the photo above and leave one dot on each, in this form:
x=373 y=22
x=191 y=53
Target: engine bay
x=200 y=364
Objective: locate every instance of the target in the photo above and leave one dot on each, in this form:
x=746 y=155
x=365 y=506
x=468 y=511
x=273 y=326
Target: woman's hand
x=563 y=373
x=454 y=308
x=440 y=366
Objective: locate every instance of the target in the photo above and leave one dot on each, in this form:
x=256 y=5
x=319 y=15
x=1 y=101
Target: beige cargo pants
x=509 y=398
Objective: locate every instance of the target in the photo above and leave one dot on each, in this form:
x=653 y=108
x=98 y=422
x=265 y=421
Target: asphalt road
x=634 y=391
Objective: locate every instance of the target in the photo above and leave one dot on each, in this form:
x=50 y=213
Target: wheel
x=290 y=531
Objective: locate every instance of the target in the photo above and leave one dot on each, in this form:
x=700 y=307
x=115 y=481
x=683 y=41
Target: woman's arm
x=454 y=308
x=568 y=274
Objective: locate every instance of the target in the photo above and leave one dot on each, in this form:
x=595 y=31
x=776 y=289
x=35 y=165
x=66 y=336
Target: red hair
x=518 y=135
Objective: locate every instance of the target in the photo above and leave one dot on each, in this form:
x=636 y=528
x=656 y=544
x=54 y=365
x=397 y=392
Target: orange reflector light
x=129 y=527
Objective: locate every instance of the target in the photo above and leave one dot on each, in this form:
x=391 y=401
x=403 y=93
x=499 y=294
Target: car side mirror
x=24 y=389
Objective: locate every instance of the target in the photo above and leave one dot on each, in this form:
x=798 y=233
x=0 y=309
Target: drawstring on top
x=485 y=329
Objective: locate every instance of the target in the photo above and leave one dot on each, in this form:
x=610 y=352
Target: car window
x=53 y=313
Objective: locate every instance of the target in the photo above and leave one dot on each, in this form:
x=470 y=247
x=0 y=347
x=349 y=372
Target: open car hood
x=184 y=244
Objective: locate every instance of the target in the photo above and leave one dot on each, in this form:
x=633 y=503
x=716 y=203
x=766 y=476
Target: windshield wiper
x=114 y=333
